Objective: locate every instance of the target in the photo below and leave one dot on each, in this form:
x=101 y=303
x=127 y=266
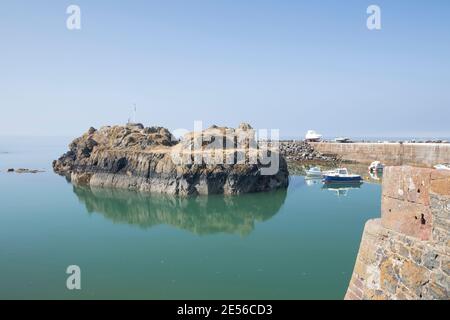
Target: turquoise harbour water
x=299 y=243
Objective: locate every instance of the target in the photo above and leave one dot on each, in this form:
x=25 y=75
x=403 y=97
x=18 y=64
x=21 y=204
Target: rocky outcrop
x=217 y=160
x=303 y=151
x=406 y=253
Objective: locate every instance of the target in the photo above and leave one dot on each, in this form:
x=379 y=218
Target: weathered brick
x=401 y=249
x=358 y=283
x=441 y=187
x=393 y=184
x=440 y=206
x=433 y=291
x=388 y=276
x=414 y=276
x=441 y=223
x=440 y=174
x=441 y=279
x=445 y=265
x=411 y=219
x=351 y=296
x=417 y=184
x=431 y=260
x=416 y=255
x=440 y=182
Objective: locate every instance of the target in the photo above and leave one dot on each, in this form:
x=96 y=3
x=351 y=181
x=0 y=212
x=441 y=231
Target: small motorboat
x=442 y=166
x=312 y=136
x=342 y=140
x=376 y=166
x=341 y=175
x=314 y=172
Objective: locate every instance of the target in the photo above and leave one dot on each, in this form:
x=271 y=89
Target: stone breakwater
x=406 y=253
x=213 y=161
x=395 y=154
x=303 y=151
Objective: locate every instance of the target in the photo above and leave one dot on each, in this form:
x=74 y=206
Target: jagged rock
x=245 y=126
x=151 y=160
x=303 y=151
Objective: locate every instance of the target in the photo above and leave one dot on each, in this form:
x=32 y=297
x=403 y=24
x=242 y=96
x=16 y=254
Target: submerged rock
x=217 y=160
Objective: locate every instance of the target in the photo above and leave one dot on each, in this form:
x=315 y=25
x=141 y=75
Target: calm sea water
x=299 y=243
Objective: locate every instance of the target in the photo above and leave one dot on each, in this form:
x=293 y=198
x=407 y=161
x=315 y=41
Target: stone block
x=407 y=183
x=433 y=291
x=389 y=277
x=431 y=260
x=445 y=265
x=393 y=185
x=414 y=276
x=408 y=218
x=441 y=237
x=417 y=184
x=440 y=206
x=440 y=182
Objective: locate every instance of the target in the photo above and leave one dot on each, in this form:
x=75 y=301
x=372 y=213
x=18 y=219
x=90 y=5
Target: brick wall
x=406 y=253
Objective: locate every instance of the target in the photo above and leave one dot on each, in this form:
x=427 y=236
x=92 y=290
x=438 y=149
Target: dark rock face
x=136 y=158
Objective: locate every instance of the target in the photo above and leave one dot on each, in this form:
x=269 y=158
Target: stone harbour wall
x=396 y=154
x=406 y=253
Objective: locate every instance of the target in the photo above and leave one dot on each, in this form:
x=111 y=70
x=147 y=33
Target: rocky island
x=218 y=160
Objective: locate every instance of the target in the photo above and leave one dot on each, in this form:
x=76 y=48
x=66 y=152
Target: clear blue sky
x=292 y=65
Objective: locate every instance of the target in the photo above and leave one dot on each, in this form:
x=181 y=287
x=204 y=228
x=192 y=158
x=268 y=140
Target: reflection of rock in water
x=200 y=215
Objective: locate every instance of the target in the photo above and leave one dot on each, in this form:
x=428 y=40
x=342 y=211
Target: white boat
x=341 y=175
x=314 y=172
x=313 y=136
x=442 y=166
x=376 y=166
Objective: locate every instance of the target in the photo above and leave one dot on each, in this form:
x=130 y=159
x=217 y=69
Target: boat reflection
x=200 y=215
x=310 y=181
x=341 y=189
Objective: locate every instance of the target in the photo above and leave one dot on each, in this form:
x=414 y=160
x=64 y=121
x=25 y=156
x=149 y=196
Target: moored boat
x=376 y=166
x=313 y=136
x=341 y=175
x=442 y=166
x=342 y=140
x=314 y=172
